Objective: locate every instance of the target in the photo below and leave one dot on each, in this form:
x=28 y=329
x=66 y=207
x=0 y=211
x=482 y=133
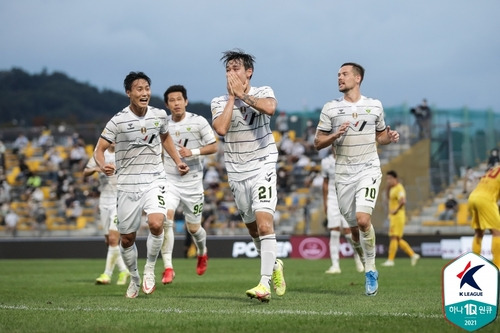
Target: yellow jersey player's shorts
x=397 y=225
x=485 y=213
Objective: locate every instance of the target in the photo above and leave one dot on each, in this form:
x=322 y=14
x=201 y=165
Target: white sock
x=153 y=244
x=367 y=240
x=129 y=256
x=267 y=258
x=256 y=242
x=356 y=256
x=334 y=247
x=168 y=243
x=119 y=260
x=200 y=240
x=110 y=263
x=113 y=259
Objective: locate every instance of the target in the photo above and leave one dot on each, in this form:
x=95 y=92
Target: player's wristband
x=195 y=152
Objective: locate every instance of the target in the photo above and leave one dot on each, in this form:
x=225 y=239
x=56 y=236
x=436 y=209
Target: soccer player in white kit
x=139 y=132
x=193 y=138
x=107 y=212
x=335 y=220
x=242 y=117
x=354 y=124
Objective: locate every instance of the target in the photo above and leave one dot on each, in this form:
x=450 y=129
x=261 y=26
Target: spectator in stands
x=19 y=144
x=211 y=177
x=4 y=190
x=493 y=159
x=450 y=208
x=470 y=180
x=285 y=145
x=24 y=169
x=11 y=221
x=45 y=140
x=33 y=182
x=40 y=217
x=53 y=162
x=283 y=178
x=4 y=209
x=2 y=156
x=423 y=117
x=77 y=156
x=74 y=211
x=281 y=123
x=309 y=134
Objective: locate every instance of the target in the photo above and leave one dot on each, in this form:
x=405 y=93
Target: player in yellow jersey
x=483 y=203
x=397 y=220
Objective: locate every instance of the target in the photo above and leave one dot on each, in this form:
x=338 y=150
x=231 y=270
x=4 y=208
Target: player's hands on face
x=393 y=135
x=235 y=86
x=183 y=168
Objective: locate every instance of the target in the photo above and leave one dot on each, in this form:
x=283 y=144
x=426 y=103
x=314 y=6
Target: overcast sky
x=447 y=51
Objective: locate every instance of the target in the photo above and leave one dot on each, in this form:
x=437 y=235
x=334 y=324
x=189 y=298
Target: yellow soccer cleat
x=261 y=292
x=103 y=279
x=122 y=278
x=278 y=278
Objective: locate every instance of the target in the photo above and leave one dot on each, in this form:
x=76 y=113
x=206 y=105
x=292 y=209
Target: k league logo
x=470 y=291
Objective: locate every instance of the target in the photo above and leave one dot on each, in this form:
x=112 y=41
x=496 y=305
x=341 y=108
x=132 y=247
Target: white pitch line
x=266 y=311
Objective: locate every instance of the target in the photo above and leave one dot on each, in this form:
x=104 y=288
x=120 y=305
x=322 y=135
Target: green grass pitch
x=60 y=296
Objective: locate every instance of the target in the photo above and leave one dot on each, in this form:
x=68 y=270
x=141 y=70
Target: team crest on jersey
x=156 y=122
x=355 y=115
x=189 y=129
x=368 y=110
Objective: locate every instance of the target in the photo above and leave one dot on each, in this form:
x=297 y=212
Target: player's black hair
x=237 y=54
x=392 y=173
x=131 y=77
x=358 y=69
x=175 y=88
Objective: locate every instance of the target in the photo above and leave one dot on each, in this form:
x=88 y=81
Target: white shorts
x=108 y=217
x=359 y=195
x=257 y=193
x=189 y=196
x=131 y=205
x=335 y=219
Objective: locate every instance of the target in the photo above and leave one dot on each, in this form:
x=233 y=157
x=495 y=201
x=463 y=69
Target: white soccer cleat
x=359 y=265
x=388 y=263
x=148 y=284
x=414 y=259
x=133 y=289
x=334 y=270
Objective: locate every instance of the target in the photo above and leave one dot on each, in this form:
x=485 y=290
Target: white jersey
x=107 y=184
x=138 y=148
x=357 y=149
x=192 y=132
x=328 y=172
x=249 y=143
